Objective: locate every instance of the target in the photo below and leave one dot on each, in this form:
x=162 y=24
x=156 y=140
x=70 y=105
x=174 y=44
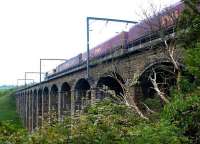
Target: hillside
x=6 y=87
x=7 y=106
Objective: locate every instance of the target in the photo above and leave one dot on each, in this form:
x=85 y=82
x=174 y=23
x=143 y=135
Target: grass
x=8 y=107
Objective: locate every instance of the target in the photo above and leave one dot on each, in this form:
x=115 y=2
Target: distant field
x=8 y=107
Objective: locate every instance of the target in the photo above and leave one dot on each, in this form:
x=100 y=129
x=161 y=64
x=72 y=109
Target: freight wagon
x=142 y=32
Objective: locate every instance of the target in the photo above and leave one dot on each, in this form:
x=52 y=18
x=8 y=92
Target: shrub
x=184 y=113
x=11 y=133
x=108 y=122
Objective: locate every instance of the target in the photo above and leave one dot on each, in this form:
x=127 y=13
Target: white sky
x=34 y=29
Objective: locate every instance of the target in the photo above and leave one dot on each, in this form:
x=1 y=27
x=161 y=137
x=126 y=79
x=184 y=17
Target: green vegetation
x=10 y=125
x=108 y=122
x=8 y=106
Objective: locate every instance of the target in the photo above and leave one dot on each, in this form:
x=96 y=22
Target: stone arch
x=40 y=107
x=31 y=110
x=54 y=100
x=45 y=102
x=65 y=99
x=154 y=63
x=27 y=108
x=34 y=108
x=25 y=104
x=112 y=82
x=166 y=78
x=81 y=91
x=22 y=105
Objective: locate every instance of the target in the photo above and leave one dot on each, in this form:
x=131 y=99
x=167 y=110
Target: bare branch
x=148 y=109
x=156 y=88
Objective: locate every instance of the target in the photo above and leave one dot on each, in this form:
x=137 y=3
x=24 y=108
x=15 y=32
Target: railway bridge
x=68 y=92
x=114 y=63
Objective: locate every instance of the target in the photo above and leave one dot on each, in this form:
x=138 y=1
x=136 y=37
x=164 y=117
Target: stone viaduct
x=68 y=92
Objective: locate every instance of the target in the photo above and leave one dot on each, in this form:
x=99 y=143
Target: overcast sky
x=34 y=29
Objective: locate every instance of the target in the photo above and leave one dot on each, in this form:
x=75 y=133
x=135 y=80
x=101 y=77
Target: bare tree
x=127 y=97
x=156 y=87
x=159 y=22
x=155 y=24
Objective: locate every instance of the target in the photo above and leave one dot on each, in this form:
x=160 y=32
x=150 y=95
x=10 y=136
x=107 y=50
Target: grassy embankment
x=8 y=107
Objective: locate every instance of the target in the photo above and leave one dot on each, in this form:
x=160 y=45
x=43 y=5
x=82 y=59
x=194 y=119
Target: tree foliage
x=104 y=122
x=189 y=24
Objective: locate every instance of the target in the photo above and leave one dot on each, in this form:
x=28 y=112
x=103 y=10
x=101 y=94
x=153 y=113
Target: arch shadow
x=112 y=83
x=54 y=102
x=82 y=93
x=45 y=102
x=65 y=99
x=166 y=78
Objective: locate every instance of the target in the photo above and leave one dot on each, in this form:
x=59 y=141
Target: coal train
x=142 y=32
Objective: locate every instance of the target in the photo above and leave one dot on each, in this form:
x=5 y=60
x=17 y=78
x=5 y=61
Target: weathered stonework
x=126 y=65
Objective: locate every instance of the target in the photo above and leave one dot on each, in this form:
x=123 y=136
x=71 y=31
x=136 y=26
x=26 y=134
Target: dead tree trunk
x=156 y=88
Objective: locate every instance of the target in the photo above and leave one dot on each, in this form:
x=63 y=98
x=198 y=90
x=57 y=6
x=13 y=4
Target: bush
x=184 y=113
x=158 y=133
x=10 y=133
x=104 y=122
x=192 y=59
x=50 y=134
x=107 y=122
